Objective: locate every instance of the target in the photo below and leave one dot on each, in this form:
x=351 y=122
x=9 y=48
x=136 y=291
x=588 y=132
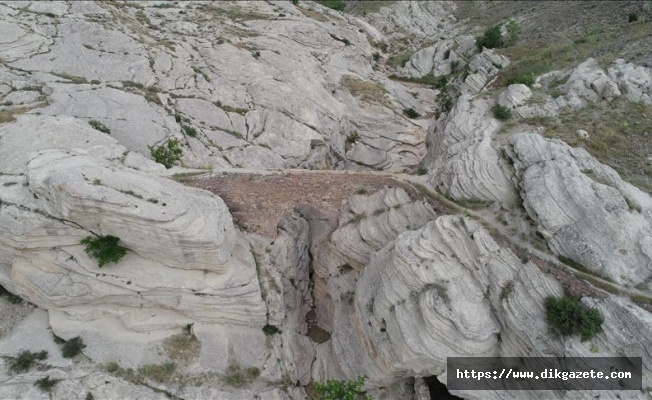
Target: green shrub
x=104 y=249
x=353 y=137
x=167 y=154
x=411 y=113
x=26 y=360
x=237 y=377
x=501 y=113
x=526 y=79
x=436 y=82
x=376 y=56
x=338 y=5
x=513 y=30
x=455 y=65
x=570 y=317
x=46 y=384
x=633 y=17
x=341 y=390
x=190 y=131
x=270 y=330
x=492 y=38
x=72 y=347
x=158 y=372
x=112 y=367
x=99 y=126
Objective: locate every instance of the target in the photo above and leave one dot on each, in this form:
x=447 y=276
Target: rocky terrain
x=304 y=194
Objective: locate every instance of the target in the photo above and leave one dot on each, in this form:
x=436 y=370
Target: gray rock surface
x=463 y=162
x=583 y=208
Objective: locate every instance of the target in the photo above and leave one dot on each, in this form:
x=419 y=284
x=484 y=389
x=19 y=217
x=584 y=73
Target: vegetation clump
x=341 y=390
x=525 y=79
x=26 y=360
x=99 y=126
x=501 y=113
x=270 y=330
x=569 y=317
x=190 y=131
x=46 y=384
x=411 y=113
x=73 y=347
x=237 y=376
x=167 y=154
x=104 y=249
x=338 y=5
x=492 y=38
x=513 y=30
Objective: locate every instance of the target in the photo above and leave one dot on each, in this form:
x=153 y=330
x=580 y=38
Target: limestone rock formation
x=463 y=162
x=448 y=289
x=590 y=82
x=584 y=209
x=517 y=98
x=246 y=98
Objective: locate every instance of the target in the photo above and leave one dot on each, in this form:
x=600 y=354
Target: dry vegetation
x=620 y=135
x=369 y=92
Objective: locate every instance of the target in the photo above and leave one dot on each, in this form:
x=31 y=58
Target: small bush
x=99 y=126
x=26 y=360
x=633 y=17
x=338 y=5
x=104 y=249
x=422 y=170
x=455 y=65
x=353 y=137
x=526 y=79
x=270 y=330
x=238 y=377
x=112 y=367
x=341 y=390
x=411 y=113
x=513 y=30
x=569 y=317
x=46 y=384
x=167 y=154
x=492 y=38
x=376 y=56
x=73 y=347
x=190 y=131
x=158 y=372
x=501 y=113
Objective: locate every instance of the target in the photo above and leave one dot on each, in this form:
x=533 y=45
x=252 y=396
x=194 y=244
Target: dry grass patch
x=369 y=92
x=316 y=15
x=182 y=347
x=10 y=115
x=619 y=136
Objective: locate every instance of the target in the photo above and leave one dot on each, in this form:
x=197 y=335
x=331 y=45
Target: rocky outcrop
x=483 y=68
x=584 y=209
x=463 y=163
x=265 y=92
x=591 y=82
x=186 y=262
x=448 y=289
x=518 y=99
x=440 y=58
